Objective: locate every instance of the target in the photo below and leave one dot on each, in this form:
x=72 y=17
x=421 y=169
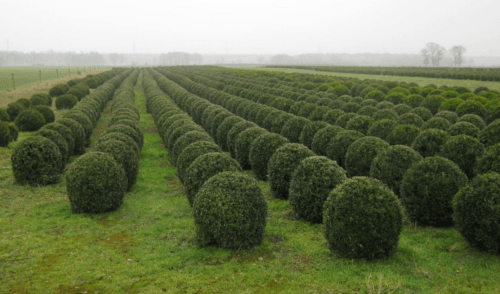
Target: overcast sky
x=253 y=27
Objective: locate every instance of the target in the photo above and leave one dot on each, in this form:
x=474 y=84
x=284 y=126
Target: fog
x=255 y=27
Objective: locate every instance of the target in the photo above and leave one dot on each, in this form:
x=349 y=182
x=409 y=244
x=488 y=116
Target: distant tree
x=425 y=54
x=458 y=54
x=434 y=52
x=282 y=59
x=113 y=57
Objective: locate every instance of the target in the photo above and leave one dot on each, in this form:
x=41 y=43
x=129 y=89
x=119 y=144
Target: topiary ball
x=344 y=119
x=390 y=165
x=124 y=156
x=29 y=120
x=360 y=154
x=65 y=132
x=337 y=148
x=38 y=99
x=360 y=123
x=293 y=128
x=4 y=134
x=363 y=219
x=491 y=134
x=244 y=143
x=261 y=151
x=403 y=135
x=282 y=165
x=84 y=121
x=59 y=140
x=123 y=138
x=78 y=134
x=428 y=188
x=471 y=107
x=233 y=134
x=124 y=129
x=381 y=128
x=308 y=132
x=13 y=109
x=423 y=112
x=190 y=153
x=410 y=119
x=464 y=151
x=323 y=137
x=203 y=168
x=464 y=128
x=224 y=129
x=230 y=211
x=184 y=141
x=25 y=103
x=477 y=213
x=310 y=185
x=96 y=183
x=58 y=90
x=489 y=161
x=428 y=143
x=66 y=101
x=473 y=119
x=436 y=123
x=36 y=161
x=452 y=117
x=4 y=115
x=14 y=132
x=47 y=113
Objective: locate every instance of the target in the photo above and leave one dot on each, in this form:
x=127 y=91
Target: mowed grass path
x=471 y=84
x=148 y=245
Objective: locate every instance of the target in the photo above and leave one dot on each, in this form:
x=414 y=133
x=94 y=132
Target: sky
x=253 y=27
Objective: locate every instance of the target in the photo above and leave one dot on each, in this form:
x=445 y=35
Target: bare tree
x=458 y=54
x=435 y=52
x=426 y=55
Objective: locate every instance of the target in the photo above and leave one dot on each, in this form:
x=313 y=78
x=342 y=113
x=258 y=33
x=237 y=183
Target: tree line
x=433 y=54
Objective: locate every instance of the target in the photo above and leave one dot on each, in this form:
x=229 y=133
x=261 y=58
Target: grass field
x=471 y=84
x=148 y=245
x=30 y=75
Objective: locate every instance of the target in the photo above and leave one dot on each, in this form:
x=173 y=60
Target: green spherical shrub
x=433 y=103
x=473 y=119
x=36 y=161
x=381 y=128
x=293 y=128
x=282 y=103
x=203 y=168
x=233 y=134
x=92 y=83
x=385 y=114
x=185 y=140
x=423 y=112
x=451 y=104
x=125 y=156
x=126 y=130
x=96 y=183
x=360 y=154
x=191 y=152
x=410 y=119
x=471 y=107
x=491 y=134
x=78 y=92
x=390 y=165
x=369 y=102
x=224 y=129
x=464 y=151
x=217 y=121
x=310 y=185
x=66 y=101
x=230 y=211
x=477 y=214
x=280 y=121
x=363 y=219
x=38 y=100
x=307 y=109
x=428 y=188
x=436 y=123
x=268 y=122
x=367 y=110
x=308 y=132
x=428 y=143
x=65 y=132
x=402 y=109
x=29 y=120
x=14 y=132
x=59 y=140
x=47 y=113
x=84 y=121
x=58 y=90
x=396 y=98
x=122 y=116
x=323 y=137
x=123 y=138
x=414 y=100
x=45 y=96
x=4 y=134
x=73 y=82
x=337 y=148
x=331 y=116
x=243 y=145
x=262 y=114
x=344 y=119
x=282 y=165
x=25 y=103
x=360 y=123
x=261 y=151
x=4 y=115
x=464 y=128
x=176 y=132
x=403 y=135
x=296 y=107
x=134 y=125
x=337 y=105
x=452 y=117
x=385 y=105
x=77 y=132
x=318 y=113
x=351 y=107
x=13 y=109
x=489 y=161
x=375 y=95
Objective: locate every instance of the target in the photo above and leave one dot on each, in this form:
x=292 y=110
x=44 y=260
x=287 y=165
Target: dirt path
x=11 y=96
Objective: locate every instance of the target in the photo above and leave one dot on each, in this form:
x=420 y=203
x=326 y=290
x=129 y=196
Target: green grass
x=44 y=248
x=471 y=84
x=27 y=76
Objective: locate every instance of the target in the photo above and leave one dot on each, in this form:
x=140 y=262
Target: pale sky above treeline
x=253 y=27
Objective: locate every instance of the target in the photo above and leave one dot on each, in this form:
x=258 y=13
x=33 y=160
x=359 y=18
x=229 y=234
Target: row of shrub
x=41 y=158
x=97 y=181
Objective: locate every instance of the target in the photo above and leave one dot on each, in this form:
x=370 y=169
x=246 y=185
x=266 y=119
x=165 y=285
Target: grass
x=148 y=245
x=471 y=84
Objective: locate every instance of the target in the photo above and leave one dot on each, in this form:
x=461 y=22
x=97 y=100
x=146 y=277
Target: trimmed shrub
x=4 y=115
x=262 y=114
x=217 y=121
x=238 y=194
x=331 y=116
x=4 y=134
x=14 y=132
x=351 y=107
x=261 y=151
x=78 y=92
x=65 y=132
x=243 y=144
x=433 y=103
x=414 y=100
x=423 y=112
x=29 y=120
x=293 y=128
x=428 y=188
x=175 y=132
x=402 y=109
x=390 y=165
x=233 y=134
x=84 y=121
x=124 y=156
x=60 y=142
x=403 y=135
x=367 y=110
x=341 y=90
x=25 y=103
x=96 y=183
x=375 y=95
x=307 y=109
x=410 y=119
x=134 y=125
x=428 y=143
x=77 y=132
x=58 y=90
x=381 y=128
x=13 y=109
x=476 y=212
x=308 y=132
x=436 y=123
x=489 y=161
x=396 y=97
x=344 y=119
x=360 y=154
x=185 y=140
x=224 y=129
x=280 y=121
x=36 y=161
x=471 y=107
x=385 y=114
x=191 y=152
x=123 y=138
x=363 y=219
x=323 y=137
x=473 y=119
x=360 y=123
x=38 y=100
x=296 y=107
x=464 y=151
x=491 y=134
x=318 y=113
x=385 y=105
x=126 y=130
x=268 y=122
x=47 y=113
x=452 y=117
x=310 y=185
x=337 y=148
x=464 y=128
x=203 y=168
x=282 y=165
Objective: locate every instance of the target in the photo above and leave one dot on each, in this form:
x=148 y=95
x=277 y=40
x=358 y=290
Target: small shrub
x=134 y=125
x=60 y=142
x=38 y=100
x=410 y=119
x=414 y=100
x=396 y=97
x=217 y=121
x=25 y=103
x=464 y=128
x=436 y=123
x=489 y=161
x=433 y=103
x=203 y=168
x=452 y=117
x=491 y=134
x=428 y=188
x=124 y=156
x=363 y=219
x=375 y=95
x=244 y=143
x=293 y=128
x=385 y=105
x=402 y=109
x=310 y=185
x=282 y=165
x=473 y=119
x=65 y=132
x=360 y=154
x=4 y=134
x=367 y=110
x=47 y=113
x=471 y=107
x=331 y=116
x=280 y=121
x=77 y=132
x=58 y=90
x=351 y=107
x=308 y=132
x=191 y=152
x=239 y=194
x=36 y=161
x=344 y=119
x=4 y=115
x=360 y=123
x=14 y=132
x=123 y=138
x=451 y=104
x=29 y=120
x=381 y=128
x=66 y=101
x=96 y=183
x=124 y=129
x=323 y=137
x=185 y=140
x=13 y=109
x=84 y=121
x=428 y=143
x=337 y=148
x=261 y=151
x=424 y=113
x=464 y=151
